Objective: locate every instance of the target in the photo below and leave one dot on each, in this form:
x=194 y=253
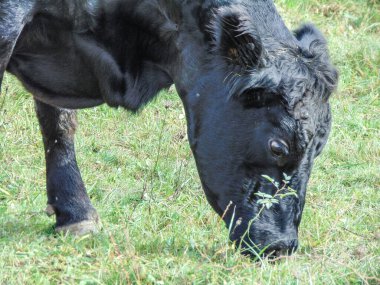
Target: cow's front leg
x=67 y=197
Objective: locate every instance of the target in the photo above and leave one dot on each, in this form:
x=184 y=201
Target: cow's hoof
x=89 y=226
x=80 y=229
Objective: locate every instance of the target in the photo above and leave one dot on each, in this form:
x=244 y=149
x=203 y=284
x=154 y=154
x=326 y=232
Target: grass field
x=171 y=235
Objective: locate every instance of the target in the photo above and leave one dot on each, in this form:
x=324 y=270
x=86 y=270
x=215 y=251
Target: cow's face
x=256 y=121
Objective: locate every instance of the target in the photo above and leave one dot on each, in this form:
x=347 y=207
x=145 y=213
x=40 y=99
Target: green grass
x=172 y=236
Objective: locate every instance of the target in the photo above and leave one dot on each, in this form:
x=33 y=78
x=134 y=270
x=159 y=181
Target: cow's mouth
x=272 y=252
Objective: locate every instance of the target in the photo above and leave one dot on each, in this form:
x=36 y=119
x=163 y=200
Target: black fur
x=244 y=78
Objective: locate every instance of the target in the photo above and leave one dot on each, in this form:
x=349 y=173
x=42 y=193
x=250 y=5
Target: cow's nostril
x=279 y=253
x=282 y=249
x=273 y=253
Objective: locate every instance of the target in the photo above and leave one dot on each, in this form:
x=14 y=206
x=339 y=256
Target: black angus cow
x=255 y=95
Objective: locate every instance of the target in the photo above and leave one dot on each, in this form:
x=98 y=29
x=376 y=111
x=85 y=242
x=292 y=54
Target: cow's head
x=260 y=111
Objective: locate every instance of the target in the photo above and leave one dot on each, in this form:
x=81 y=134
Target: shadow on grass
x=15 y=227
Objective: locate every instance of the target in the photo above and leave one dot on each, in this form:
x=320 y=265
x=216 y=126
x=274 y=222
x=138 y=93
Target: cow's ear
x=236 y=38
x=314 y=45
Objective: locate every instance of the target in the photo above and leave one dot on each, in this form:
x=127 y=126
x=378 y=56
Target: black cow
x=255 y=95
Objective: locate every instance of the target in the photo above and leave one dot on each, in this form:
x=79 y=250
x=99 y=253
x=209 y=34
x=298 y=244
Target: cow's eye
x=279 y=147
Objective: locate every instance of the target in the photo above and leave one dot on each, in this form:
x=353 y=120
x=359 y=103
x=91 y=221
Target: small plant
x=283 y=191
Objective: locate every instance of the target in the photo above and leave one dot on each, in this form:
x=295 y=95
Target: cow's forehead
x=304 y=96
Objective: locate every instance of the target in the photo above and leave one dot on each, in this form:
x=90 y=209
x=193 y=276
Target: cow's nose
x=283 y=248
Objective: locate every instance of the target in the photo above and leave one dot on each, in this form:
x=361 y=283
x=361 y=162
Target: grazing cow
x=255 y=95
